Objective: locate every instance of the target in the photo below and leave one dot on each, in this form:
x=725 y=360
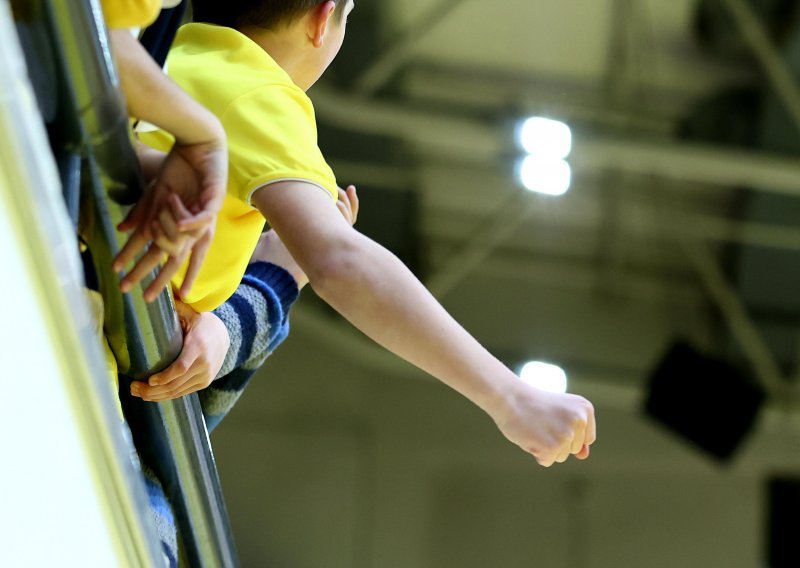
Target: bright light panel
x=545 y=175
x=545 y=137
x=544 y=376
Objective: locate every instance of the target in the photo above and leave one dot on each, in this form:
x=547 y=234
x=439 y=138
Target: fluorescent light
x=545 y=137
x=552 y=176
x=544 y=376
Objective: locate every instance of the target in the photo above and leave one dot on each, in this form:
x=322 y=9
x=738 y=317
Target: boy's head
x=315 y=29
x=267 y=14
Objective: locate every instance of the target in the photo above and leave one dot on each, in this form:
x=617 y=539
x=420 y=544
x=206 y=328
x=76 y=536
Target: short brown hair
x=268 y=14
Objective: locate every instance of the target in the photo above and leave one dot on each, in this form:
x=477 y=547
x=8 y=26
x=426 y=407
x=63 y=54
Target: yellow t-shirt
x=272 y=137
x=130 y=13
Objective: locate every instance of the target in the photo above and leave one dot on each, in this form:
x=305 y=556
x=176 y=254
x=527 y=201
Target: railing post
x=145 y=337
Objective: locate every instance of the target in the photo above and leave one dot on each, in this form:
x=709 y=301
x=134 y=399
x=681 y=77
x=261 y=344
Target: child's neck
x=287 y=47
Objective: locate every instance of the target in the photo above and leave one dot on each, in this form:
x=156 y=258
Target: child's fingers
x=544 y=461
x=184 y=366
x=188 y=221
x=354 y=204
x=591 y=429
x=348 y=204
x=198 y=382
x=578 y=439
x=344 y=198
x=143 y=212
x=143 y=267
x=168 y=223
x=177 y=369
x=196 y=223
x=162 y=278
x=174 y=247
x=175 y=384
x=344 y=211
x=136 y=243
x=185 y=312
x=136 y=215
x=137 y=387
x=164 y=392
x=195 y=263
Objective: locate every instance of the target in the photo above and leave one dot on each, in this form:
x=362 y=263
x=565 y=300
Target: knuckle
x=564 y=432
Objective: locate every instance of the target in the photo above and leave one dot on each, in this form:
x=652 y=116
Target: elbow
x=339 y=269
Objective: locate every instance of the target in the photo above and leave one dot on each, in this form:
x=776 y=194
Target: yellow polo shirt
x=130 y=13
x=272 y=137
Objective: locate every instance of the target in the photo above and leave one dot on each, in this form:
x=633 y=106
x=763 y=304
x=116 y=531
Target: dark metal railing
x=145 y=337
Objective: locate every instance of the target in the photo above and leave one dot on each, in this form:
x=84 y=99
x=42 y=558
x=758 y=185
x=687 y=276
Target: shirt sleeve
x=257 y=315
x=272 y=136
x=257 y=320
x=130 y=13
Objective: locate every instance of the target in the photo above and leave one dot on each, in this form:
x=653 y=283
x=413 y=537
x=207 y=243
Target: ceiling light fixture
x=545 y=376
x=545 y=137
x=551 y=176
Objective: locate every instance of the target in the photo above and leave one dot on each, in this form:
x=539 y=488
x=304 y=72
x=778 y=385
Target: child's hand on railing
x=205 y=344
x=194 y=175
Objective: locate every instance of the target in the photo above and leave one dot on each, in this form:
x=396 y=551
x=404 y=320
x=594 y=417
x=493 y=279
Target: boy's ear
x=319 y=20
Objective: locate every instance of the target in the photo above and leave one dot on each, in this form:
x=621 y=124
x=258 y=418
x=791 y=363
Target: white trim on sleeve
x=252 y=191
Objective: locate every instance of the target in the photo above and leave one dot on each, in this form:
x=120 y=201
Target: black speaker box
x=782 y=522
x=706 y=400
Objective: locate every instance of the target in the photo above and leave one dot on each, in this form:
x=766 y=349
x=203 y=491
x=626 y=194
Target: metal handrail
x=29 y=192
x=145 y=337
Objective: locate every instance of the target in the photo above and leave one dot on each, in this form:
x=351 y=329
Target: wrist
x=498 y=398
x=150 y=160
x=205 y=128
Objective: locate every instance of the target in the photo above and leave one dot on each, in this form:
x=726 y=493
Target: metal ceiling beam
x=646 y=226
x=578 y=276
x=696 y=225
x=768 y=56
x=735 y=313
x=474 y=142
x=496 y=230
x=493 y=91
x=690 y=163
x=782 y=80
x=500 y=227
x=387 y=63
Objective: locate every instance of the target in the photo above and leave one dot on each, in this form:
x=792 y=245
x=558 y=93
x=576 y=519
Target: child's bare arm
x=271 y=249
x=196 y=169
x=372 y=289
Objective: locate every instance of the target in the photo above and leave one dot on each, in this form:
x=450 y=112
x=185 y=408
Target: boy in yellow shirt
x=251 y=65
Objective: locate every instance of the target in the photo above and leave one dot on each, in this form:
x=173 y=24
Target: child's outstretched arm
x=370 y=287
x=196 y=170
